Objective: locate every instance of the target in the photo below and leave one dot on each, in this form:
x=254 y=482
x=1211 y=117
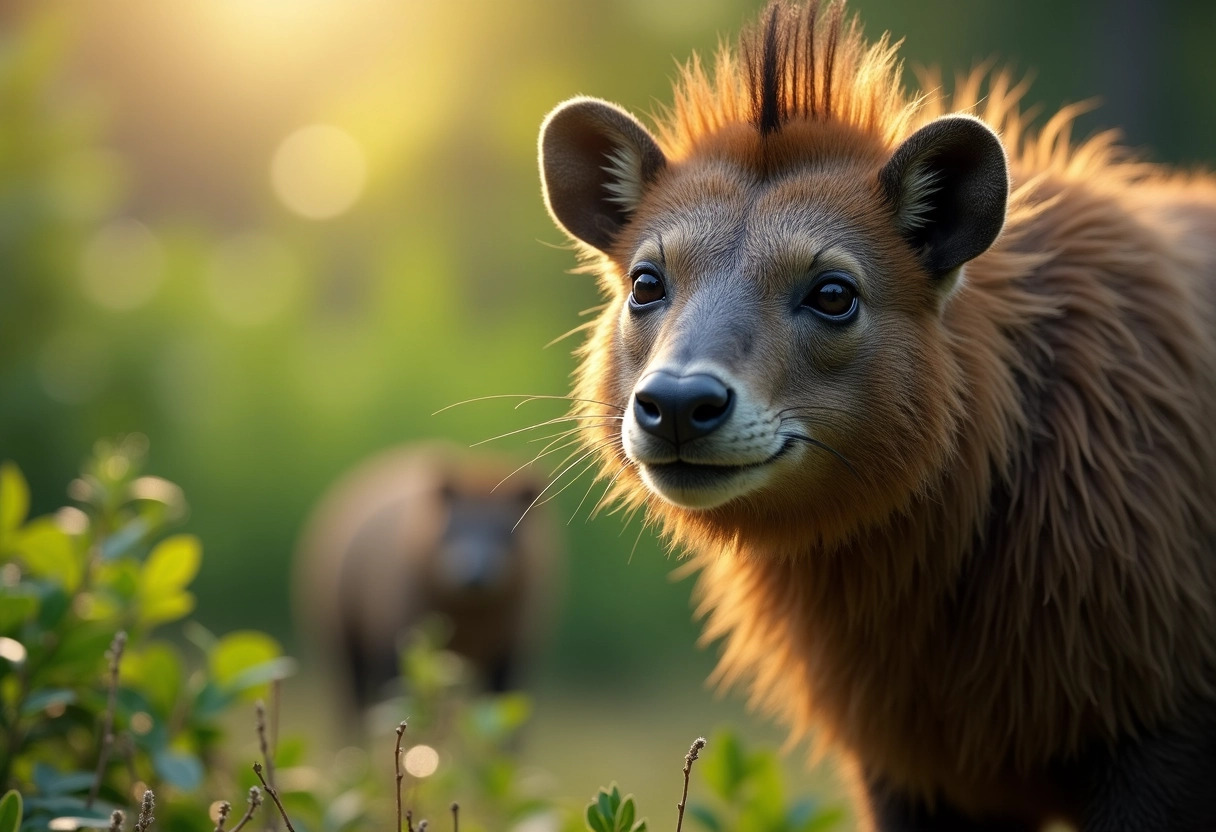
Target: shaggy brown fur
x=999 y=586
x=416 y=532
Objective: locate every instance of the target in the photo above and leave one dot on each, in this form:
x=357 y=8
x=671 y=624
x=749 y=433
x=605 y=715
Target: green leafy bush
x=108 y=692
x=97 y=702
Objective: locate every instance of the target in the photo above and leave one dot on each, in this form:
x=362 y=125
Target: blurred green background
x=277 y=235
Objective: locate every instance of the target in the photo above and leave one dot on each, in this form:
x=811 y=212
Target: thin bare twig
x=259 y=709
x=397 y=768
x=222 y=815
x=257 y=769
x=693 y=752
x=145 y=812
x=255 y=800
x=455 y=816
x=107 y=728
x=409 y=820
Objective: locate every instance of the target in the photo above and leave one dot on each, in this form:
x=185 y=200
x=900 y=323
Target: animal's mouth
x=702 y=486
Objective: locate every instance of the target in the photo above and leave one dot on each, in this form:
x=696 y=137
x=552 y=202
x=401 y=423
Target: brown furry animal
x=933 y=411
x=422 y=531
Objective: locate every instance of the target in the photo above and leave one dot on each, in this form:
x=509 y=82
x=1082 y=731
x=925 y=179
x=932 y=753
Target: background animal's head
x=483 y=547
x=778 y=264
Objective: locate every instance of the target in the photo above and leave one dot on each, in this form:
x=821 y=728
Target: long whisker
x=531 y=397
x=544 y=452
x=802 y=437
x=586 y=494
x=555 y=421
x=595 y=510
x=569 y=332
x=553 y=482
x=585 y=426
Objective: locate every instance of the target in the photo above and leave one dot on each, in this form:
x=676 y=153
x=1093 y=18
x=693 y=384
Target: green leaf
x=50 y=553
x=641 y=827
x=160 y=609
x=83 y=650
x=169 y=569
x=14 y=500
x=157 y=672
x=10 y=811
x=765 y=798
x=596 y=821
x=46 y=698
x=607 y=809
x=51 y=782
x=53 y=607
x=706 y=817
x=172 y=565
x=624 y=818
x=257 y=676
x=16 y=608
x=724 y=767
x=241 y=662
x=179 y=769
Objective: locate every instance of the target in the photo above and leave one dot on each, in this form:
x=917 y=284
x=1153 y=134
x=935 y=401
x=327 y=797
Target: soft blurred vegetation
x=277 y=235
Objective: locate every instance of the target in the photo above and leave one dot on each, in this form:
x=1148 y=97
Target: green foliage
x=97 y=702
x=10 y=811
x=608 y=812
x=749 y=795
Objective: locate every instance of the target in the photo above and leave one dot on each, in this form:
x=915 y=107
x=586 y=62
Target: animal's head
x=483 y=548
x=778 y=263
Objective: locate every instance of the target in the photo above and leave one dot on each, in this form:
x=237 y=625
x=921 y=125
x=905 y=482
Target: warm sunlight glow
x=421 y=761
x=251 y=279
x=122 y=265
x=318 y=171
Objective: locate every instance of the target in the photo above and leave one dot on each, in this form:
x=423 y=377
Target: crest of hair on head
x=806 y=62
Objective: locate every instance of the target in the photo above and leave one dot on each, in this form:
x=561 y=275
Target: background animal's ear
x=595 y=162
x=949 y=184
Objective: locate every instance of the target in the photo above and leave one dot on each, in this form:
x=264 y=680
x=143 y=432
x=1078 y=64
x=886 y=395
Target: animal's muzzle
x=681 y=408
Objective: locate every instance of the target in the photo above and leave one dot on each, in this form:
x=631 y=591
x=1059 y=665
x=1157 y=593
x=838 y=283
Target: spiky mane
x=798 y=62
x=810 y=61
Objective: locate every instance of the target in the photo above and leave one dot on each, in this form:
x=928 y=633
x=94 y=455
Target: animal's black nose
x=681 y=408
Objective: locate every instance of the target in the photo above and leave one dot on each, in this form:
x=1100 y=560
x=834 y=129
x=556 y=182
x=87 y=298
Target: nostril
x=707 y=412
x=648 y=408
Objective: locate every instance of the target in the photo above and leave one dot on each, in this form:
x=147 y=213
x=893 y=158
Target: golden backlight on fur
x=928 y=399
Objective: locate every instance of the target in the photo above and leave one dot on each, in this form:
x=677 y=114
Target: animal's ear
x=595 y=162
x=949 y=185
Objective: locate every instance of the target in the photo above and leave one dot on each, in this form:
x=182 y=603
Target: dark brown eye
x=833 y=296
x=647 y=288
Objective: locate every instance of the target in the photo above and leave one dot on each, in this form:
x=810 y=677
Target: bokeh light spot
x=122 y=265
x=318 y=171
x=421 y=761
x=252 y=278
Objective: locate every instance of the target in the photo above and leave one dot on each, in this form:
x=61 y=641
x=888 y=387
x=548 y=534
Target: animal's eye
x=647 y=287
x=833 y=296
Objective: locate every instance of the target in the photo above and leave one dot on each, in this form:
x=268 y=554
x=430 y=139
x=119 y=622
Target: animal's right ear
x=949 y=185
x=596 y=160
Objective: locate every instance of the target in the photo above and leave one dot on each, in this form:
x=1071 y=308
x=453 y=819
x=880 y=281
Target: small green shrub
x=97 y=702
x=108 y=693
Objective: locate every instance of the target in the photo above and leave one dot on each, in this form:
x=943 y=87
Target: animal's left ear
x=949 y=185
x=595 y=162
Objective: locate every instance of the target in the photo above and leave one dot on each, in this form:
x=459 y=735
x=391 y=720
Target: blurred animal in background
x=416 y=532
